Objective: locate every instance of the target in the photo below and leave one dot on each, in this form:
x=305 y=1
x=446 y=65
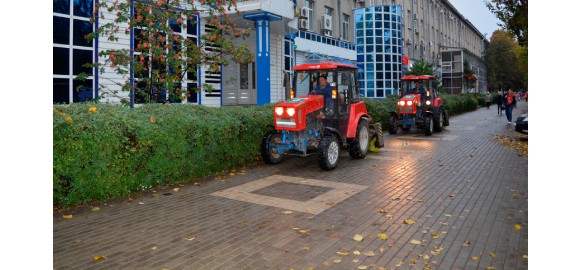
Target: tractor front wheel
x=328 y=152
x=428 y=125
x=268 y=148
x=358 y=146
x=392 y=124
x=438 y=120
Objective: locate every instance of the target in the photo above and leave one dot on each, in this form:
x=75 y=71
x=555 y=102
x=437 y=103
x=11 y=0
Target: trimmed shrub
x=111 y=151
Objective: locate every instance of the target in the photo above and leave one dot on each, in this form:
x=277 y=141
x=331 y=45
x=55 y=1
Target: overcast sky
x=478 y=14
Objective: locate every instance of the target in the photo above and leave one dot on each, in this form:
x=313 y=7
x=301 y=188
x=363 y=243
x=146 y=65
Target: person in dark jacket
x=499 y=99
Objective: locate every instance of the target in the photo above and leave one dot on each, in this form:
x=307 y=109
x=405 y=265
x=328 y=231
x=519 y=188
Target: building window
x=71 y=51
x=310 y=7
x=346 y=27
x=328 y=11
x=190 y=78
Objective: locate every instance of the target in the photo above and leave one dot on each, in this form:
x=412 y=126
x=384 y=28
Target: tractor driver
x=323 y=88
x=418 y=89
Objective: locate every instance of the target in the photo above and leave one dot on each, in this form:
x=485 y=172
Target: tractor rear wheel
x=428 y=127
x=392 y=124
x=269 y=152
x=328 y=152
x=358 y=146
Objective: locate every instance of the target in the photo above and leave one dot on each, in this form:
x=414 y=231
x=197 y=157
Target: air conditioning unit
x=304 y=12
x=326 y=33
x=408 y=41
x=303 y=24
x=326 y=22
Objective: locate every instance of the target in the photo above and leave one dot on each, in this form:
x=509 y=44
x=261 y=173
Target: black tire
x=428 y=127
x=392 y=124
x=270 y=155
x=438 y=120
x=358 y=146
x=328 y=152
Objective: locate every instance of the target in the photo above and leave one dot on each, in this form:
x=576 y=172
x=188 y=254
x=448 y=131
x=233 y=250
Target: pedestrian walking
x=525 y=96
x=499 y=100
x=488 y=99
x=510 y=103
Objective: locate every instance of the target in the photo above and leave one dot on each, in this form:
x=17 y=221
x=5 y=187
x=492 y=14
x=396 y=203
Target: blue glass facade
x=378 y=35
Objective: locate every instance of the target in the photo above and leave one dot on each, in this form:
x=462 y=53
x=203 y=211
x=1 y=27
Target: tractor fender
x=332 y=131
x=357 y=111
x=438 y=102
x=353 y=124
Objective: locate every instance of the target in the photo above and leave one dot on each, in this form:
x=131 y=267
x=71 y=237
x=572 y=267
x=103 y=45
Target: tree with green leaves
x=513 y=15
x=162 y=56
x=420 y=68
x=502 y=62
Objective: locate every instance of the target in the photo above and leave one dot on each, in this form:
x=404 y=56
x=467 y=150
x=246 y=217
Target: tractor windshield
x=306 y=81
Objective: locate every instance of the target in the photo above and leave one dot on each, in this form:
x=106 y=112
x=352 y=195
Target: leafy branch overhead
x=168 y=44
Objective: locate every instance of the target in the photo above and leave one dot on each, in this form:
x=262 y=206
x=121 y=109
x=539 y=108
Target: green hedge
x=114 y=150
x=103 y=151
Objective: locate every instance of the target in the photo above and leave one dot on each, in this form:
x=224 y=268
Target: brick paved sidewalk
x=465 y=194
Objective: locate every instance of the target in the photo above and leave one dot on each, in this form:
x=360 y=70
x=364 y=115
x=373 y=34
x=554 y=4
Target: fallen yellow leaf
x=382 y=236
x=399 y=264
x=383 y=211
x=338 y=260
x=517 y=227
x=304 y=231
x=362 y=267
x=94 y=209
x=358 y=237
x=98 y=257
x=492 y=254
x=69 y=216
x=343 y=252
x=306 y=248
x=369 y=253
x=409 y=221
x=152 y=119
x=424 y=256
x=287 y=212
x=355 y=260
x=356 y=252
x=190 y=238
x=475 y=258
x=416 y=242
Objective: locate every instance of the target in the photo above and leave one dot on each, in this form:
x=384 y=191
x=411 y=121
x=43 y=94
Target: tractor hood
x=291 y=114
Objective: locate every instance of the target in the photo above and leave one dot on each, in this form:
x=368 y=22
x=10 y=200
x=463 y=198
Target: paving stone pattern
x=464 y=191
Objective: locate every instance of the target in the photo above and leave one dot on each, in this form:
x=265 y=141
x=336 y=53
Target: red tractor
x=418 y=106
x=312 y=123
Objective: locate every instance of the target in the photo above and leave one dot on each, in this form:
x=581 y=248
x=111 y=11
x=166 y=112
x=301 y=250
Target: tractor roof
x=323 y=65
x=417 y=77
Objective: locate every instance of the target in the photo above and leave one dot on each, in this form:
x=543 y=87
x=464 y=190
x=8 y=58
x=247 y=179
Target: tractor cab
x=340 y=91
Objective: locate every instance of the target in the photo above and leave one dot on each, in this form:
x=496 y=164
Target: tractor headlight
x=409 y=103
x=401 y=103
x=291 y=111
x=428 y=102
x=279 y=111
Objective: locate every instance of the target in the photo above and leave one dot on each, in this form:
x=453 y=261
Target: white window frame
x=71 y=47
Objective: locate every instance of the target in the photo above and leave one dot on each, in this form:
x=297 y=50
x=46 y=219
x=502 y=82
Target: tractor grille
x=405 y=109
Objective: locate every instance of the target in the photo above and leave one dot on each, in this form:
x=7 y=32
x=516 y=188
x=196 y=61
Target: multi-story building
x=375 y=35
